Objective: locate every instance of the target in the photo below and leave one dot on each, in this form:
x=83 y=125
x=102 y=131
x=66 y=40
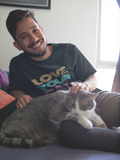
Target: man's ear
x=17 y=45
x=42 y=30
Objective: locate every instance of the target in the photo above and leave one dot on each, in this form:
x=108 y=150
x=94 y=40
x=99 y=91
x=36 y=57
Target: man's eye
x=23 y=36
x=35 y=30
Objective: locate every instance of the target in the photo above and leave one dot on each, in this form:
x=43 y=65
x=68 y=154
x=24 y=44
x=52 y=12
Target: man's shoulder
x=18 y=57
x=17 y=60
x=62 y=45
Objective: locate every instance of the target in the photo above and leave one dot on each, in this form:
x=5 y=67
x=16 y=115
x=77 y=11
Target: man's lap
x=72 y=134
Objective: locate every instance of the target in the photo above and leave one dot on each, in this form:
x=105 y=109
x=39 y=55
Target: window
x=109 y=34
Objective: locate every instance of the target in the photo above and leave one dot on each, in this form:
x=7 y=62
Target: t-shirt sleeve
x=83 y=68
x=14 y=80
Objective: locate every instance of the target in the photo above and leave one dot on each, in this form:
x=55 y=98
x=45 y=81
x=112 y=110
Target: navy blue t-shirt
x=66 y=64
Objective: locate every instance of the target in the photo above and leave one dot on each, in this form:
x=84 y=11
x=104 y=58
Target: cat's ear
x=95 y=95
x=92 y=96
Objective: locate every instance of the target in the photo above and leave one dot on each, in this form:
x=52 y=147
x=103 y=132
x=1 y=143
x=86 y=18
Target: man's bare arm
x=91 y=82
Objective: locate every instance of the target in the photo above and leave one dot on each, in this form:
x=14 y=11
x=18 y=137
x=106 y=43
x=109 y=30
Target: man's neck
x=48 y=53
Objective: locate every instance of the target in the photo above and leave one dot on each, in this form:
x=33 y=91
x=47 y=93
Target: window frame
x=101 y=63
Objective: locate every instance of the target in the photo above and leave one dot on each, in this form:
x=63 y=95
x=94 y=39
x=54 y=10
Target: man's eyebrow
x=21 y=34
x=25 y=32
x=34 y=27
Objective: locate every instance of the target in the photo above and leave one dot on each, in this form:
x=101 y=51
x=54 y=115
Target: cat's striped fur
x=38 y=123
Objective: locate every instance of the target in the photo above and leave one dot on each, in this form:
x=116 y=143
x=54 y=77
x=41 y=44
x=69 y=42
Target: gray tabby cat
x=38 y=123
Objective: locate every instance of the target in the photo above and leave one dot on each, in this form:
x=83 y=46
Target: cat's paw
x=87 y=125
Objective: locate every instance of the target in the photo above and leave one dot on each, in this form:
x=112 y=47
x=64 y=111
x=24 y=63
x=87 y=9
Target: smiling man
x=43 y=68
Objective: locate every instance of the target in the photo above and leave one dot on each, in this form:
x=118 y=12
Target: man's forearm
x=91 y=82
x=17 y=94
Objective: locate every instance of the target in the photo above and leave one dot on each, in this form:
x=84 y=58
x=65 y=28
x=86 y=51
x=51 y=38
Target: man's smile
x=36 y=44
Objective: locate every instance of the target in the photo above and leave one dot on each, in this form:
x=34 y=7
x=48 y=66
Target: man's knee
x=71 y=132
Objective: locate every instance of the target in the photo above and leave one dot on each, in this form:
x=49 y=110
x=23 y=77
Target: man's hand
x=22 y=98
x=76 y=86
x=23 y=101
x=89 y=85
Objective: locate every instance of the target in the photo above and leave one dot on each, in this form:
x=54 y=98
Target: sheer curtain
x=116 y=81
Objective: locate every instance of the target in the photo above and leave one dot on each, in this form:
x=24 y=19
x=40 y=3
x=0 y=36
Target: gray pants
x=73 y=135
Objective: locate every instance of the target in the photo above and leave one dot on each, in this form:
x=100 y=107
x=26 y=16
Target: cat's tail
x=19 y=142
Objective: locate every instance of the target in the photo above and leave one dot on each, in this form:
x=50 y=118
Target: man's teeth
x=37 y=44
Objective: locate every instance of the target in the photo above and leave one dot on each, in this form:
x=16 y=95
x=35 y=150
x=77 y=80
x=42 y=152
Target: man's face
x=30 y=38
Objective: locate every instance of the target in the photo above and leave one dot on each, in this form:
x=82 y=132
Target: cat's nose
x=76 y=113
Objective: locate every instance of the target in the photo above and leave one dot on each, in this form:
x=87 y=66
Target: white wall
x=69 y=21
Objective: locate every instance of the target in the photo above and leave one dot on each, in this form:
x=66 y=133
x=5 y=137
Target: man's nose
x=33 y=38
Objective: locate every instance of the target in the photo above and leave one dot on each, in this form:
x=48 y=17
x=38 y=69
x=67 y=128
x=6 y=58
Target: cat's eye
x=83 y=106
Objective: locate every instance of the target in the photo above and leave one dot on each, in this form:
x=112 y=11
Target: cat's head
x=81 y=101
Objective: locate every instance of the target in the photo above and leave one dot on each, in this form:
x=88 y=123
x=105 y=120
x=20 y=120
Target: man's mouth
x=36 y=45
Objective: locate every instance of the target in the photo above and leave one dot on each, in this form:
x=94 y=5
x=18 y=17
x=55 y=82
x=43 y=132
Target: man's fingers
x=23 y=101
x=27 y=99
x=76 y=86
